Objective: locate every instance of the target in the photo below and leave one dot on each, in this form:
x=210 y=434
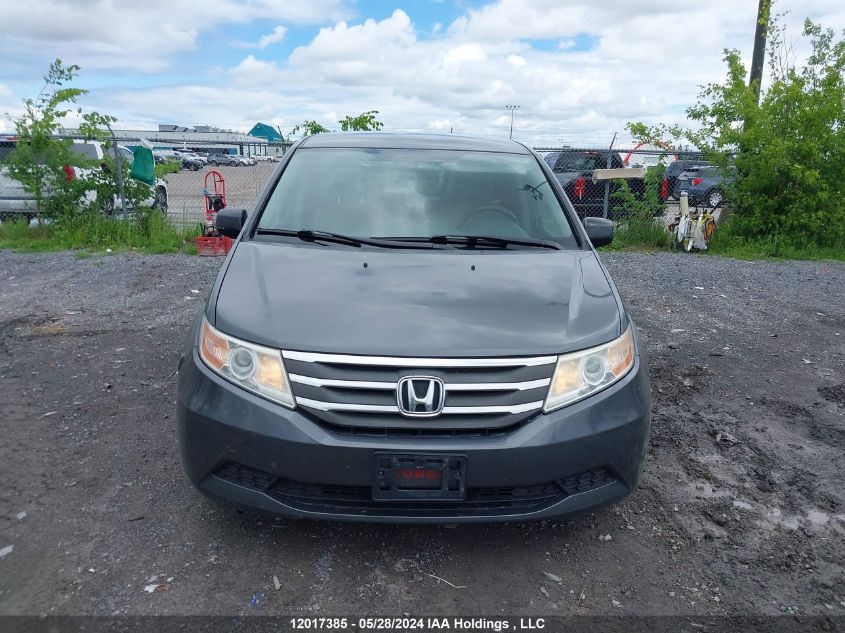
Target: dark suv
x=413 y=329
x=676 y=168
x=574 y=169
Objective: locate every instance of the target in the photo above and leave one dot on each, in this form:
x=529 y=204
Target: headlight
x=255 y=368
x=581 y=374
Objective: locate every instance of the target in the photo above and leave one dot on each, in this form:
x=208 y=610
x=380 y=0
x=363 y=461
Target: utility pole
x=758 y=57
x=512 y=108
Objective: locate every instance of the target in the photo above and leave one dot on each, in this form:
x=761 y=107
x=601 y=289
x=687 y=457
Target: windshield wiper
x=309 y=235
x=475 y=241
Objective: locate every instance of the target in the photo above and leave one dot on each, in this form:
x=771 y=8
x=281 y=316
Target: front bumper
x=246 y=450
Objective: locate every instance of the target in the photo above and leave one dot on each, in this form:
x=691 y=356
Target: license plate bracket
x=419 y=477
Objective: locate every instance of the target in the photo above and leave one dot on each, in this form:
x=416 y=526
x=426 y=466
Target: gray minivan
x=413 y=328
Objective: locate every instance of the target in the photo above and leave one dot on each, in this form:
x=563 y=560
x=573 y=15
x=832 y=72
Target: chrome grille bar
x=475 y=386
x=363 y=391
x=346 y=384
x=392 y=361
x=378 y=408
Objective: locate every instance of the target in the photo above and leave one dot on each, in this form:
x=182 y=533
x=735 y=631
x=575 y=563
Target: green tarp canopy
x=143 y=166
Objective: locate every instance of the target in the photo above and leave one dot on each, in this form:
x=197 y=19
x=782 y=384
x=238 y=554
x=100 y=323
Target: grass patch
x=645 y=235
x=169 y=167
x=726 y=242
x=638 y=234
x=148 y=231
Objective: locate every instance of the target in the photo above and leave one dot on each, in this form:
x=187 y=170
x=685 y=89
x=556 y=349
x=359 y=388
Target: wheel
x=715 y=199
x=214 y=163
x=160 y=201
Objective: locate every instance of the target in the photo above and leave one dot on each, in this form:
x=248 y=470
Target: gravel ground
x=740 y=510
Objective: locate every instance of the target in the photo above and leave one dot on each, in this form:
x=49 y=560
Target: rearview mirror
x=599 y=230
x=229 y=222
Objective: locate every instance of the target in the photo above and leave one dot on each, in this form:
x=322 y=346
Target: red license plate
x=422 y=477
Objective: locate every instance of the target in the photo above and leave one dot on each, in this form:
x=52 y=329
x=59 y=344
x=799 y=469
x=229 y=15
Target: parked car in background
x=705 y=185
x=156 y=199
x=675 y=168
x=413 y=328
x=574 y=169
x=167 y=155
x=245 y=160
x=223 y=159
x=16 y=202
x=192 y=160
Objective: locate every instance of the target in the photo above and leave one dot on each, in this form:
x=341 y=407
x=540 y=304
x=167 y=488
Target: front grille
x=342 y=499
x=356 y=394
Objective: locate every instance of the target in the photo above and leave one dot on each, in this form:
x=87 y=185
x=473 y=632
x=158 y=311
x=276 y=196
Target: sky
x=577 y=69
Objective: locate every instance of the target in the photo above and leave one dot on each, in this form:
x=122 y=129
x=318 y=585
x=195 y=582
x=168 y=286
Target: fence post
x=607 y=182
x=119 y=166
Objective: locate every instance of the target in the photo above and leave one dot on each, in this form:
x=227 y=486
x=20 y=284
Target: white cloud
x=142 y=36
x=646 y=64
x=274 y=37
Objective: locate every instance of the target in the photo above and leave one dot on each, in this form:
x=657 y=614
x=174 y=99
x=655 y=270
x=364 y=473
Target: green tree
x=309 y=128
x=364 y=122
x=789 y=151
x=39 y=159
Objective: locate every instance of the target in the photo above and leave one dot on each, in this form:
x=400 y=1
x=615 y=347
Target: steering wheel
x=489 y=209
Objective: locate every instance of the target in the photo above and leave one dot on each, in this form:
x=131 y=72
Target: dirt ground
x=740 y=510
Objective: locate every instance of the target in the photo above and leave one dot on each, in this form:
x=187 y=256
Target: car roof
x=389 y=140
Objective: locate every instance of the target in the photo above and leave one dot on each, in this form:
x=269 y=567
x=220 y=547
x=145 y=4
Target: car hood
x=443 y=302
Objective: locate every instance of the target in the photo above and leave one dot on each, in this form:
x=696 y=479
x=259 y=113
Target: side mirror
x=599 y=230
x=229 y=222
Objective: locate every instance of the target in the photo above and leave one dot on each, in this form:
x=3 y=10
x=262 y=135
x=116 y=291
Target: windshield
x=416 y=193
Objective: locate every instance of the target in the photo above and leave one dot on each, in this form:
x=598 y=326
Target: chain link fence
x=611 y=183
x=621 y=183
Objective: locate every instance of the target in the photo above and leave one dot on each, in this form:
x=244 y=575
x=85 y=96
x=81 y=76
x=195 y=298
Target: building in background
x=275 y=141
x=205 y=139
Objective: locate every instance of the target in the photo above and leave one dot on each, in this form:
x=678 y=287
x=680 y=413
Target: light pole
x=511 y=108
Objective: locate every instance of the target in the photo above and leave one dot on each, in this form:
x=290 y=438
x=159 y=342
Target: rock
x=544 y=591
x=276 y=584
x=723 y=436
x=6 y=551
x=616 y=603
x=552 y=577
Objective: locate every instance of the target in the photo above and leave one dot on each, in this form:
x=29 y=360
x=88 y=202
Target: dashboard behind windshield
x=384 y=193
